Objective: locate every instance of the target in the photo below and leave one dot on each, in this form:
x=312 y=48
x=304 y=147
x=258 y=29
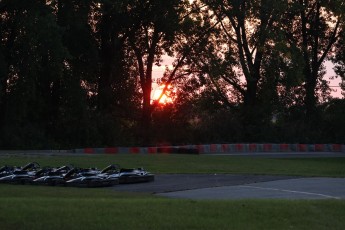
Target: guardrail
x=217 y=148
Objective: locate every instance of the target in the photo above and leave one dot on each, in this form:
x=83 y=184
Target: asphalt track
x=228 y=186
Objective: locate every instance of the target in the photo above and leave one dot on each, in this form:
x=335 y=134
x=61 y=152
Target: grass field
x=39 y=207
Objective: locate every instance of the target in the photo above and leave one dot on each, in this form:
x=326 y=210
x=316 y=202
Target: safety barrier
x=217 y=148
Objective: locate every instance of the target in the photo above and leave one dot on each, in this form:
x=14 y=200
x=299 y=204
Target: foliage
x=80 y=73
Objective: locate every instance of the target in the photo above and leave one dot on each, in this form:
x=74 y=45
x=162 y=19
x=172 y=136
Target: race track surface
x=228 y=186
x=180 y=182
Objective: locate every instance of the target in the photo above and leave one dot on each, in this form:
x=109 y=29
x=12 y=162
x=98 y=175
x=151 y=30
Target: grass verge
x=331 y=167
x=35 y=207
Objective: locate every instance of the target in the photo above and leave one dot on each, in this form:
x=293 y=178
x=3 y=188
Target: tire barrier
x=216 y=148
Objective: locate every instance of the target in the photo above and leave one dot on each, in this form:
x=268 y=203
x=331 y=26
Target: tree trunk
x=104 y=82
x=3 y=100
x=250 y=94
x=104 y=97
x=146 y=86
x=146 y=116
x=310 y=98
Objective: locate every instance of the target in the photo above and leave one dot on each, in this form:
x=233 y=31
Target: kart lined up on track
x=90 y=178
x=127 y=176
x=6 y=170
x=53 y=177
x=22 y=175
x=69 y=175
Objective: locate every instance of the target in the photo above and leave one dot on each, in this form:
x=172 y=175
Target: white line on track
x=291 y=191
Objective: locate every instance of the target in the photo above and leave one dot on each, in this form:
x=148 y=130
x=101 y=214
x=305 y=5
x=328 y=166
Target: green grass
x=40 y=207
x=332 y=167
x=34 y=207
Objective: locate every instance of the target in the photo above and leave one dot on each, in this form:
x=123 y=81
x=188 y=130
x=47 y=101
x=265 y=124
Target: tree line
x=77 y=73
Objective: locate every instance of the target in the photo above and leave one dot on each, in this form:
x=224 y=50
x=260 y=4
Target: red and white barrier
x=217 y=148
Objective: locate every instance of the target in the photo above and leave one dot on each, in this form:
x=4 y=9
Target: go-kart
x=22 y=175
x=6 y=170
x=54 y=176
x=135 y=176
x=90 y=178
x=127 y=176
x=68 y=175
x=77 y=177
x=109 y=176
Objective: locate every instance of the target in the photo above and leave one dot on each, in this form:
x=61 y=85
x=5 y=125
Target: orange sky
x=167 y=61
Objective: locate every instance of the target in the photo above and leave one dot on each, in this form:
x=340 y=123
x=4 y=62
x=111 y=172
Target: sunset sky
x=167 y=61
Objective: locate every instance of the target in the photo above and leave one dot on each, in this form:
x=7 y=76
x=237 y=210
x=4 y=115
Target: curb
x=216 y=148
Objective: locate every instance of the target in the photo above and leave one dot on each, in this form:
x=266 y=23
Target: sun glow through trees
x=166 y=98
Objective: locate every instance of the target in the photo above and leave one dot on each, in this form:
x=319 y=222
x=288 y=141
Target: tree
x=237 y=54
x=334 y=122
x=339 y=57
x=247 y=28
x=33 y=56
x=152 y=33
x=110 y=27
x=117 y=89
x=339 y=61
x=313 y=27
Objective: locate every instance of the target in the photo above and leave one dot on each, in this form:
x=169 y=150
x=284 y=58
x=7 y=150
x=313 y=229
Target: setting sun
x=166 y=98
